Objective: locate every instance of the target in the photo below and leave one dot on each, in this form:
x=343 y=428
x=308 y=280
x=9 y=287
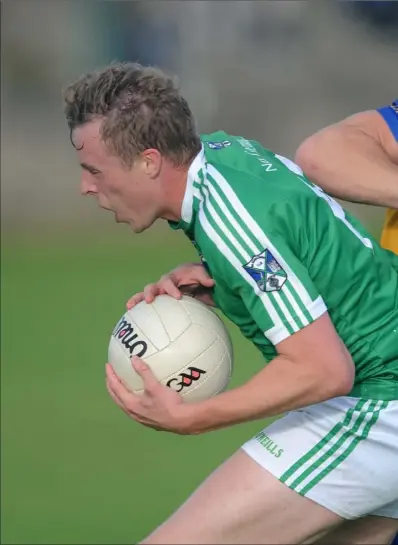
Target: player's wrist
x=223 y=410
x=189 y=419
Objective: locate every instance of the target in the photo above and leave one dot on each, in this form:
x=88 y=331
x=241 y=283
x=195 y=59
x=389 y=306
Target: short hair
x=141 y=108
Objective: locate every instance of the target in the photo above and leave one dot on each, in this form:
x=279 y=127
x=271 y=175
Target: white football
x=184 y=342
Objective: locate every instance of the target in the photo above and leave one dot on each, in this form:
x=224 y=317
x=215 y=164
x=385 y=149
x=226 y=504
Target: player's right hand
x=190 y=279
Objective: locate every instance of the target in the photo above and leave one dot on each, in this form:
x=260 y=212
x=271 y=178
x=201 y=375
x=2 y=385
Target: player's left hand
x=159 y=407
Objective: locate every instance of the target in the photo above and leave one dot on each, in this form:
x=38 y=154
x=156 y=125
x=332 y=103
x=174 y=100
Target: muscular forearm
x=282 y=386
x=351 y=165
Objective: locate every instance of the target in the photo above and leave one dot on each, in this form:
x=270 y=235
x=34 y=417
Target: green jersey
x=282 y=253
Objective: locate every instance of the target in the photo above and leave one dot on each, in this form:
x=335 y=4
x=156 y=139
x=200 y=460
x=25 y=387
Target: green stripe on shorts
x=334 y=448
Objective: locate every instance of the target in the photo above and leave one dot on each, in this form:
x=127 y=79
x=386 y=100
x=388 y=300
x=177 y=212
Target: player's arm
x=312 y=366
x=356 y=159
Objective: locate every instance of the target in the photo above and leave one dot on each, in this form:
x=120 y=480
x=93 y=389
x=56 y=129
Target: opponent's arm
x=312 y=366
x=355 y=159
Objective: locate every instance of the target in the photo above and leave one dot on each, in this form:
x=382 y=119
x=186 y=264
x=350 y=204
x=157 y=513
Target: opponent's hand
x=191 y=279
x=159 y=407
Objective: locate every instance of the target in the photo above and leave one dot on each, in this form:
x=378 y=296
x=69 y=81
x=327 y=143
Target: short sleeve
x=272 y=283
x=279 y=293
x=390 y=116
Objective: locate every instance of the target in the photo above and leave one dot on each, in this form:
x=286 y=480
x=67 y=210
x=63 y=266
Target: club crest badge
x=265 y=270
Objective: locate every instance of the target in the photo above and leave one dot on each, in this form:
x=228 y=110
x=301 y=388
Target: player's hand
x=159 y=407
x=190 y=278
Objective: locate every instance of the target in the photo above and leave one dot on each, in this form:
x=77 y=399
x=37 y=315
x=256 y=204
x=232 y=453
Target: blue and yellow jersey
x=389 y=237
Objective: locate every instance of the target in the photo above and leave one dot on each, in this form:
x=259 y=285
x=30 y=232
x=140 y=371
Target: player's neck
x=174 y=188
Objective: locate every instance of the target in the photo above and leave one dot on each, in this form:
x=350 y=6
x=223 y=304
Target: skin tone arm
x=306 y=371
x=312 y=365
x=355 y=160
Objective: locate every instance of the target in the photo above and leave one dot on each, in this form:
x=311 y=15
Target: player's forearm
x=350 y=165
x=282 y=386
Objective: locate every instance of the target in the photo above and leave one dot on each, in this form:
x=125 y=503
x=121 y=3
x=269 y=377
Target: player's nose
x=87 y=187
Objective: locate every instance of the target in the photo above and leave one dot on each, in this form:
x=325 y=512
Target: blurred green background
x=75 y=469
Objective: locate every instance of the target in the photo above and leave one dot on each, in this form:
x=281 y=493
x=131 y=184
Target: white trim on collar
x=187 y=203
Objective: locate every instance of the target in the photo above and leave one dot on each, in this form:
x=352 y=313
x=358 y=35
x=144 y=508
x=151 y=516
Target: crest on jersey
x=219 y=145
x=266 y=271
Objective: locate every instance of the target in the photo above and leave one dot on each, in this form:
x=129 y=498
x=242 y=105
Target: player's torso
x=354 y=276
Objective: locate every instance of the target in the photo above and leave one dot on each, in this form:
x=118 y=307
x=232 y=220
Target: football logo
x=125 y=334
x=186 y=379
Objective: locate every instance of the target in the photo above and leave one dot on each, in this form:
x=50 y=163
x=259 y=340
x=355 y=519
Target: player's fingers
x=191 y=275
x=114 y=397
x=137 y=298
x=126 y=398
x=204 y=279
x=150 y=292
x=146 y=373
x=167 y=285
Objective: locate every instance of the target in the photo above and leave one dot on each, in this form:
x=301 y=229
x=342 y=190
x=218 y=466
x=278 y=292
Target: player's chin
x=136 y=228
x=139 y=227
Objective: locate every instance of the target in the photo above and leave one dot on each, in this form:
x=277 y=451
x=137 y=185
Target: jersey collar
x=187 y=208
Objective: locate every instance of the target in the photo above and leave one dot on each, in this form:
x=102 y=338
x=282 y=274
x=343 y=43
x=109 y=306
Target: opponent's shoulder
x=373 y=120
x=381 y=124
x=364 y=131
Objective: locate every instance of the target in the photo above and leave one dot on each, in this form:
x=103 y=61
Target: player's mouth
x=118 y=219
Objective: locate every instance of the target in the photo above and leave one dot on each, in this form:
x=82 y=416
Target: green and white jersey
x=282 y=253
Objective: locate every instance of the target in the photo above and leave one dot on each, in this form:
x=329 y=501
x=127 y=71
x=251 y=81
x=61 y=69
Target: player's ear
x=151 y=161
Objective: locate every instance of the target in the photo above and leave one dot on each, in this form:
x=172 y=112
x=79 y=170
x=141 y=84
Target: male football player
x=302 y=280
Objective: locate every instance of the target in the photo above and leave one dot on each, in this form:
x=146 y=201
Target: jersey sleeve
x=273 y=284
x=390 y=116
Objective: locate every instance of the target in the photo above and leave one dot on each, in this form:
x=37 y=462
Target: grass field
x=75 y=469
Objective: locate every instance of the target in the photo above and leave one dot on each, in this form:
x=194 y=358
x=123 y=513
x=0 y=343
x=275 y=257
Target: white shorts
x=342 y=454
